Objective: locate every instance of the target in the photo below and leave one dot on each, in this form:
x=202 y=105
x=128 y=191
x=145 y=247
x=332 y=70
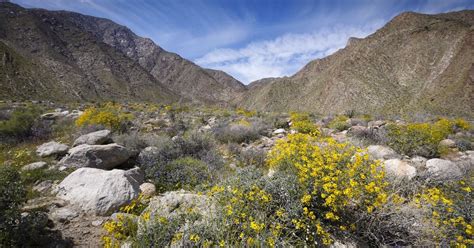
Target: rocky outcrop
x=99 y=192
x=96 y=156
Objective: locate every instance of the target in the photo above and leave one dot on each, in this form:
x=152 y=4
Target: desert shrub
x=340 y=184
x=252 y=157
x=240 y=132
x=246 y=113
x=420 y=138
x=463 y=145
x=12 y=196
x=449 y=209
x=110 y=115
x=20 y=124
x=182 y=173
x=301 y=122
x=125 y=225
x=194 y=145
x=339 y=123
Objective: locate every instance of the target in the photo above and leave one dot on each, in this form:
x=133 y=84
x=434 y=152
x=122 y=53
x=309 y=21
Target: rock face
x=399 y=169
x=96 y=156
x=381 y=152
x=373 y=75
x=442 y=169
x=62 y=55
x=51 y=148
x=95 y=138
x=98 y=191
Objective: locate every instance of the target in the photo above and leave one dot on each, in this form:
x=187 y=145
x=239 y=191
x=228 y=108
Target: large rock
x=447 y=143
x=399 y=169
x=95 y=138
x=96 y=156
x=99 y=192
x=442 y=169
x=51 y=148
x=381 y=152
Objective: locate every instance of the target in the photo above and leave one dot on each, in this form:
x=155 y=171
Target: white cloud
x=283 y=55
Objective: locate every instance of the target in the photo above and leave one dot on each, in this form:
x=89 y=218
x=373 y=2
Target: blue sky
x=251 y=39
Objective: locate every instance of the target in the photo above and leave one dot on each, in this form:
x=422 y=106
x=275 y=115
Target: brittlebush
x=110 y=115
x=338 y=179
x=302 y=123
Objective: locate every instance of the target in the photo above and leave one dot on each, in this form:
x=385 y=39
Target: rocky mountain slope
x=62 y=55
x=416 y=63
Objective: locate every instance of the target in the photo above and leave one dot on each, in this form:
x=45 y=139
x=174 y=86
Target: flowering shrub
x=449 y=213
x=337 y=179
x=302 y=123
x=246 y=113
x=422 y=138
x=110 y=115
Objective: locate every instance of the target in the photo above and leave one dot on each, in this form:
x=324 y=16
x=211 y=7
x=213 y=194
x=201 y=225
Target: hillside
x=87 y=58
x=415 y=64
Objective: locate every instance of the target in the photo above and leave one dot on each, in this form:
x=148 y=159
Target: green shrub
x=182 y=173
x=240 y=132
x=420 y=138
x=12 y=196
x=20 y=125
x=339 y=123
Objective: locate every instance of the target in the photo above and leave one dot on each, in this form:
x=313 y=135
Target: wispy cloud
x=283 y=55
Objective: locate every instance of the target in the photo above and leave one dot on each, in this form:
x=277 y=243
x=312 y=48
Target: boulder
x=381 y=152
x=63 y=214
x=99 y=192
x=148 y=189
x=442 y=169
x=447 y=143
x=399 y=169
x=54 y=115
x=34 y=166
x=96 y=156
x=51 y=148
x=148 y=156
x=95 y=138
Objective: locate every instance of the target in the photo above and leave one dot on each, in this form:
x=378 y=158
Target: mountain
x=63 y=55
x=415 y=64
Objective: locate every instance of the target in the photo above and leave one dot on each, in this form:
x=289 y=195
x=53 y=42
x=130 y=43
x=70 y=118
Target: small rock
x=97 y=222
x=43 y=187
x=63 y=214
x=148 y=189
x=34 y=166
x=51 y=148
x=95 y=138
x=358 y=131
x=279 y=131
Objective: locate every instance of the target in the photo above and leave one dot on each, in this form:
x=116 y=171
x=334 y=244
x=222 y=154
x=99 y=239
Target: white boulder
x=99 y=192
x=96 y=156
x=95 y=138
x=399 y=169
x=51 y=148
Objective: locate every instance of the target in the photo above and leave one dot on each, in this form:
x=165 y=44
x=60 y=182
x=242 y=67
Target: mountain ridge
x=416 y=63
x=120 y=64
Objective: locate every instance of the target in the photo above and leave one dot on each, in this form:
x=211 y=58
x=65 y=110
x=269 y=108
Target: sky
x=251 y=39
